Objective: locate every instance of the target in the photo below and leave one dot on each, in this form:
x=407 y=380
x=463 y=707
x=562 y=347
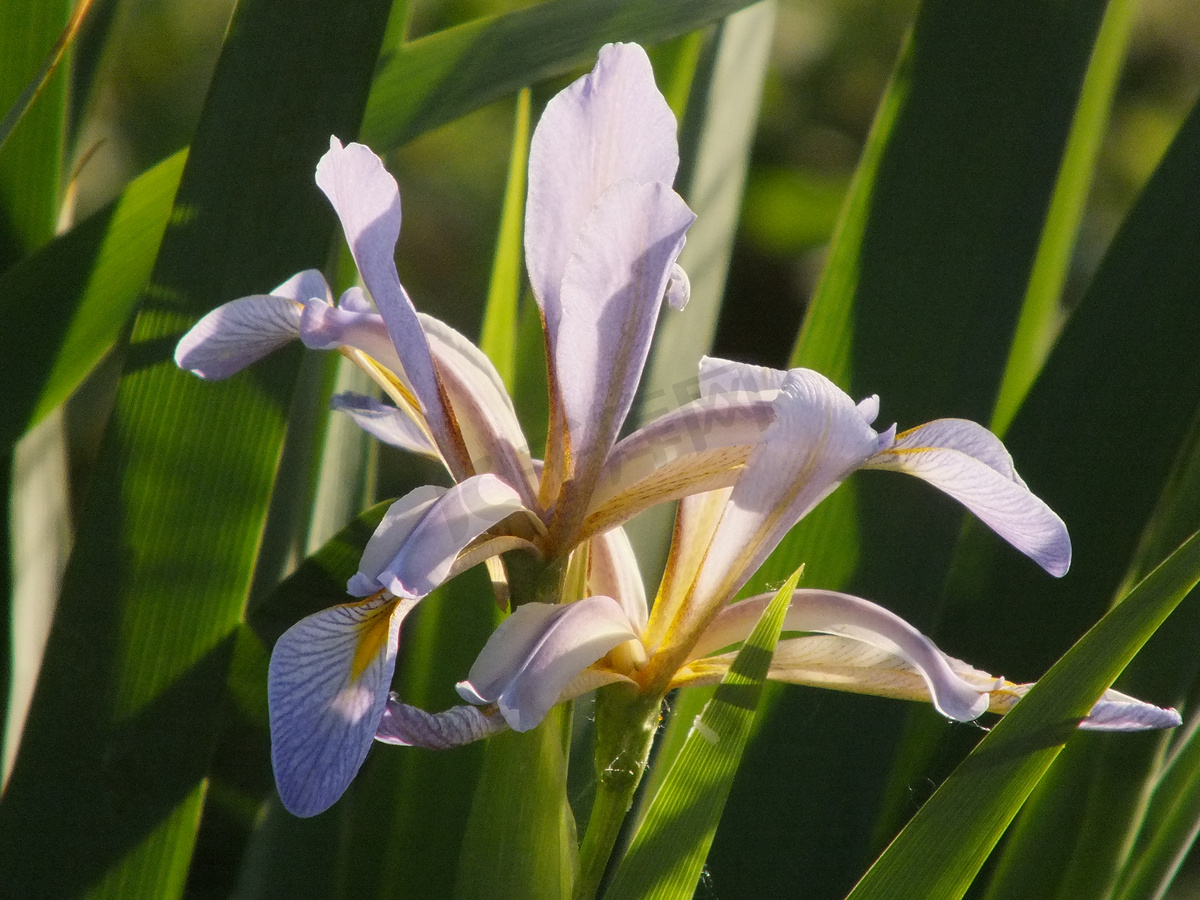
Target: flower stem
x=625 y=725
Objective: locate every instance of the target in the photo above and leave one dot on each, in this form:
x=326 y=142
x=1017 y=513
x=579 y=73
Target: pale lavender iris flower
x=544 y=654
x=603 y=231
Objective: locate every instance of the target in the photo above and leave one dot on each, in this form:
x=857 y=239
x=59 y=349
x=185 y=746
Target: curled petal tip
x=1119 y=712
x=409 y=726
x=679 y=288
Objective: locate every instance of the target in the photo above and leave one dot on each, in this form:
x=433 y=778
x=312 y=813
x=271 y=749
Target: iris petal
x=237 y=334
x=385 y=423
x=611 y=125
x=970 y=464
x=326 y=689
x=367 y=202
x=409 y=726
x=538 y=651
x=852 y=617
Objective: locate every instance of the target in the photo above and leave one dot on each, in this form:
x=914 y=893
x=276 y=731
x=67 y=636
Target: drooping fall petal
x=969 y=463
x=326 y=689
x=238 y=334
x=841 y=614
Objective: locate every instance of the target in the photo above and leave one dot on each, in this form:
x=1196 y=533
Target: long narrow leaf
x=670 y=846
x=148 y=614
x=940 y=851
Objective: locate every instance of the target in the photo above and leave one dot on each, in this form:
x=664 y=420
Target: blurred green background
x=830 y=65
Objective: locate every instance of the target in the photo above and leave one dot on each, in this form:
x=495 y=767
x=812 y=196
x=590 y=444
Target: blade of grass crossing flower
x=150 y=632
x=936 y=242
x=498 y=337
x=719 y=112
x=672 y=842
x=1040 y=313
x=1054 y=849
x=940 y=851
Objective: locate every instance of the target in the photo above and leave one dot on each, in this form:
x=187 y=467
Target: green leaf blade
x=668 y=851
x=940 y=851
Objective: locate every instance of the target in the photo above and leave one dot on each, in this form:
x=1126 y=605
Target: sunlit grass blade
x=940 y=851
x=438 y=78
x=672 y=842
x=31 y=153
x=170 y=529
x=520 y=839
x=498 y=336
x=1041 y=313
x=45 y=73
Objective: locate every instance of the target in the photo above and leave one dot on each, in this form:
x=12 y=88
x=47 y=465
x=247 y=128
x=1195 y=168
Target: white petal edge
x=327 y=685
x=237 y=334
x=538 y=651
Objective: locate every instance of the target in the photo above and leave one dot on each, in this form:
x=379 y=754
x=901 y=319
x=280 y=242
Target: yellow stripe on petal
x=372 y=638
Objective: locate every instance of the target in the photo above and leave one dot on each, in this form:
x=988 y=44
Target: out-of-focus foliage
x=131 y=94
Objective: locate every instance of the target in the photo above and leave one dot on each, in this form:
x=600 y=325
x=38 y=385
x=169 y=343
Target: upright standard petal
x=326 y=690
x=611 y=125
x=365 y=197
x=538 y=651
x=969 y=463
x=612 y=292
x=817 y=438
x=237 y=334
